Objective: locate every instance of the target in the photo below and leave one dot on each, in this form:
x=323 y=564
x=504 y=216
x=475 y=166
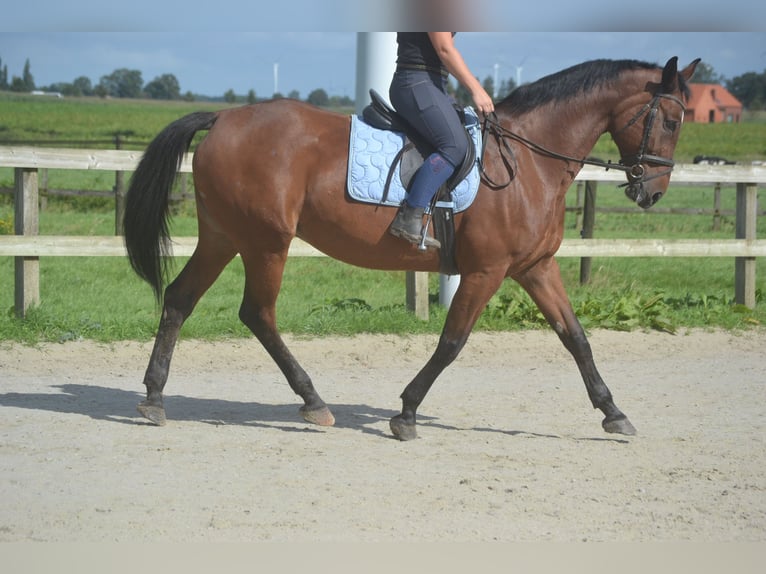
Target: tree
x=27 y=79
x=17 y=85
x=489 y=86
x=506 y=87
x=341 y=102
x=318 y=98
x=3 y=76
x=705 y=74
x=463 y=96
x=100 y=91
x=294 y=95
x=251 y=99
x=64 y=88
x=26 y=83
x=230 y=97
x=82 y=85
x=750 y=89
x=122 y=83
x=164 y=87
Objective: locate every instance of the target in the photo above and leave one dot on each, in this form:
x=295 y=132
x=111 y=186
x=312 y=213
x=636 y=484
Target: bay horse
x=268 y=172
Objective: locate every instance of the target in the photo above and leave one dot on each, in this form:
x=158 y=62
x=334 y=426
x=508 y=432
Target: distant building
x=712 y=103
x=42 y=93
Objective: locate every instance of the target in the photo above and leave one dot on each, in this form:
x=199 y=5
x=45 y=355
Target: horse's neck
x=570 y=128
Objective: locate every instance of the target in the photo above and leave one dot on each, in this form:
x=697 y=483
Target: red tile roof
x=712 y=94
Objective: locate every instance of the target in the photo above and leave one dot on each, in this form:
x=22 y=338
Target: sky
x=236 y=44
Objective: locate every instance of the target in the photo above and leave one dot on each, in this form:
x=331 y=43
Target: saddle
x=379 y=114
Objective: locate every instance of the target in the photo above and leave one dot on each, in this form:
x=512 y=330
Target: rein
x=634 y=169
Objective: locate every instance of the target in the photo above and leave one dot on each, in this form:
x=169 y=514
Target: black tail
x=147 y=202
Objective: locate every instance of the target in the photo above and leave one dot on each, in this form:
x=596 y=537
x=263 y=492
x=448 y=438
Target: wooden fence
x=27 y=246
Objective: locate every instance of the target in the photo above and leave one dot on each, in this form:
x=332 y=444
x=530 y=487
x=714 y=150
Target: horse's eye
x=671 y=125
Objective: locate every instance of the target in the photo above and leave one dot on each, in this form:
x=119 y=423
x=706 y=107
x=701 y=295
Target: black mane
x=567 y=83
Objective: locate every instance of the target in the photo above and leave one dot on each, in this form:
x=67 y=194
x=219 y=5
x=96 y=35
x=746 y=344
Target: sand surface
x=510 y=448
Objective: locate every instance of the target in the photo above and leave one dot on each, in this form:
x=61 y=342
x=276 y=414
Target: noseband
x=632 y=165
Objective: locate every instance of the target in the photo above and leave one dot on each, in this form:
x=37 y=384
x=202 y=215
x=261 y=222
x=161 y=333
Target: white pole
x=375 y=65
x=448 y=285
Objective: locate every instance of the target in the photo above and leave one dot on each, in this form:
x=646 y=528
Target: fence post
x=417 y=293
x=578 y=206
x=184 y=187
x=26 y=222
x=744 y=267
x=119 y=192
x=43 y=188
x=588 y=222
x=717 y=207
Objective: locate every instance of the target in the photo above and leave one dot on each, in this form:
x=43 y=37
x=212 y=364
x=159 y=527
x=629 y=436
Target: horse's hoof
x=154 y=413
x=619 y=426
x=321 y=416
x=403 y=430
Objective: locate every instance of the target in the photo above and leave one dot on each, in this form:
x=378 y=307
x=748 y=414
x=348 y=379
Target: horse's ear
x=670 y=76
x=688 y=71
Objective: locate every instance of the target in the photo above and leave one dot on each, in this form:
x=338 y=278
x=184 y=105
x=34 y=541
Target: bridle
x=632 y=165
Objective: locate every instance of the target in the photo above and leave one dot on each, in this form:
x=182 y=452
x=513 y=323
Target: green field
x=101 y=299
x=50 y=121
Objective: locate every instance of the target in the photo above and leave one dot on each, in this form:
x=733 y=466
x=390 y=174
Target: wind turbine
x=276 y=78
x=519 y=68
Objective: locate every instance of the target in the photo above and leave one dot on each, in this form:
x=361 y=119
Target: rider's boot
x=408 y=225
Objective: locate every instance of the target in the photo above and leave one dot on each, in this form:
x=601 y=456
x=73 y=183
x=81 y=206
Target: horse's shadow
x=119 y=406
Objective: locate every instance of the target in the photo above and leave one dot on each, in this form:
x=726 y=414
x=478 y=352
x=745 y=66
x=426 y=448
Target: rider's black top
x=415 y=52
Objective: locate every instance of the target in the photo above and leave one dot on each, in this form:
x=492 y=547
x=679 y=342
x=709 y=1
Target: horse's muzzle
x=638 y=193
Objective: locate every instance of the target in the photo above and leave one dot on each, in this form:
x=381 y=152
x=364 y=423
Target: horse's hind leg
x=181 y=296
x=544 y=285
x=263 y=274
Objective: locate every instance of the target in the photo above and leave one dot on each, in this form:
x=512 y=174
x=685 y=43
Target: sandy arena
x=510 y=448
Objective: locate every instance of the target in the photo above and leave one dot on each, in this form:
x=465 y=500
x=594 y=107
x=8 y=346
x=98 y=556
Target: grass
x=743 y=142
x=50 y=121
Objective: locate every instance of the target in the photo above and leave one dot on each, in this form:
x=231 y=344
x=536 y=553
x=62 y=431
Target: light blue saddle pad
x=371 y=153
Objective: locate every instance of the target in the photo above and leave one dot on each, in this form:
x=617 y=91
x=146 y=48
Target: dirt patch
x=509 y=447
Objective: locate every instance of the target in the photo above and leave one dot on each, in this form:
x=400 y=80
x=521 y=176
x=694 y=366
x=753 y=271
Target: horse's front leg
x=543 y=283
x=469 y=301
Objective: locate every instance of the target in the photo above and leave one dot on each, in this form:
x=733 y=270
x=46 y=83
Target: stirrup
x=425 y=240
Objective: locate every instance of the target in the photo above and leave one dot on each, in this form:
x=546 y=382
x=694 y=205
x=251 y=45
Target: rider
x=418 y=93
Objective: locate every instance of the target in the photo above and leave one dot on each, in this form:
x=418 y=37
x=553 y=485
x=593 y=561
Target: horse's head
x=646 y=133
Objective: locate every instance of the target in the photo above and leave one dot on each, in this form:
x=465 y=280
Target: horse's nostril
x=656 y=197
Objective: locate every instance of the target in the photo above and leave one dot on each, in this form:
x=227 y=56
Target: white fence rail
x=27 y=246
